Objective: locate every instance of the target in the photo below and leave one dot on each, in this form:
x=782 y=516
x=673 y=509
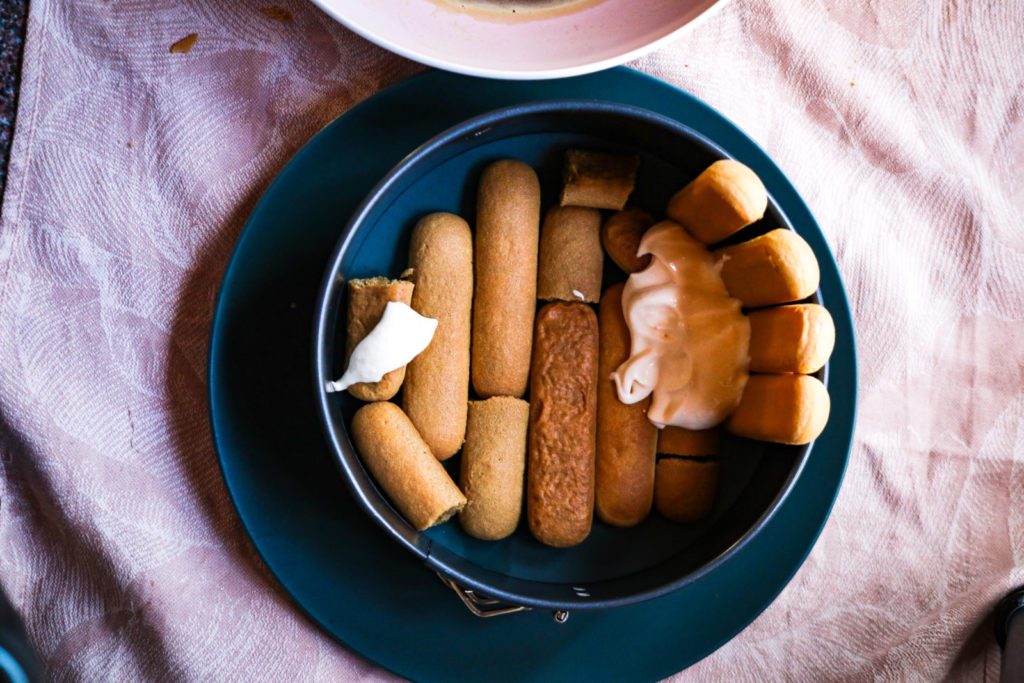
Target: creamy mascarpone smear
x=690 y=343
x=401 y=335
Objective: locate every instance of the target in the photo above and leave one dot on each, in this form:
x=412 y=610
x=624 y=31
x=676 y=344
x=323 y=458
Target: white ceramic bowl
x=586 y=36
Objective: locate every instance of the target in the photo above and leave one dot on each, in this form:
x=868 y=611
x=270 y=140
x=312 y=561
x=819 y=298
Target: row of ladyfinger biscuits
x=402 y=447
x=510 y=353
x=566 y=338
x=484 y=323
x=502 y=305
x=586 y=448
x=786 y=341
x=395 y=443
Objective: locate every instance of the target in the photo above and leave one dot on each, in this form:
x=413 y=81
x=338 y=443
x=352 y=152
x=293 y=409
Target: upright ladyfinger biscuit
x=570 y=255
x=726 y=197
x=776 y=268
x=507 y=234
x=597 y=179
x=563 y=425
x=366 y=302
x=493 y=463
x=790 y=409
x=437 y=381
x=797 y=338
x=625 y=437
x=401 y=462
x=685 y=489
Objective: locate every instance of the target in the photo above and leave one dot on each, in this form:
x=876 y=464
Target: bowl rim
x=579 y=68
x=340 y=442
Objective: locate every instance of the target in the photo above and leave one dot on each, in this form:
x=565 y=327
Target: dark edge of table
x=13 y=21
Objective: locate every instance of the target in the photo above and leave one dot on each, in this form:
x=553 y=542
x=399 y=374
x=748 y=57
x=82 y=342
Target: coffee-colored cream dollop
x=689 y=341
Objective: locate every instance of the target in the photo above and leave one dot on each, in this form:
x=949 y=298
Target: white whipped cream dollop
x=399 y=336
x=689 y=340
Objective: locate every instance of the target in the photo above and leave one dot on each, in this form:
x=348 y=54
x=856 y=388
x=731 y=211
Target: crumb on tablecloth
x=278 y=14
x=183 y=46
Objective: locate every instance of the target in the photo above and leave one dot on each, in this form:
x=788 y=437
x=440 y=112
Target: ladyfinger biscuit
x=437 y=381
x=620 y=236
x=571 y=260
x=790 y=409
x=402 y=464
x=507 y=234
x=685 y=489
x=776 y=268
x=563 y=424
x=598 y=180
x=625 y=437
x=679 y=441
x=726 y=197
x=493 y=463
x=797 y=338
x=366 y=302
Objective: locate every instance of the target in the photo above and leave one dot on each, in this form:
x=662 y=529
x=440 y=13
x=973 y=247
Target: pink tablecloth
x=133 y=170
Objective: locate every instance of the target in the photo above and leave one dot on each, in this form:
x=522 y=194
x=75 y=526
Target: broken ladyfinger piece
x=570 y=255
x=598 y=180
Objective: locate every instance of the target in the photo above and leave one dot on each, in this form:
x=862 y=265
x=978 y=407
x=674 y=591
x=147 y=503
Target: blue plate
x=341 y=568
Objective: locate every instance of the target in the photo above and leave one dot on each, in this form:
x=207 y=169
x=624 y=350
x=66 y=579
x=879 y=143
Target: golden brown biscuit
x=726 y=197
x=598 y=180
x=563 y=424
x=679 y=441
x=625 y=437
x=685 y=489
x=507 y=235
x=366 y=302
x=403 y=465
x=790 y=409
x=437 y=381
x=775 y=268
x=620 y=236
x=797 y=338
x=493 y=463
x=571 y=260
